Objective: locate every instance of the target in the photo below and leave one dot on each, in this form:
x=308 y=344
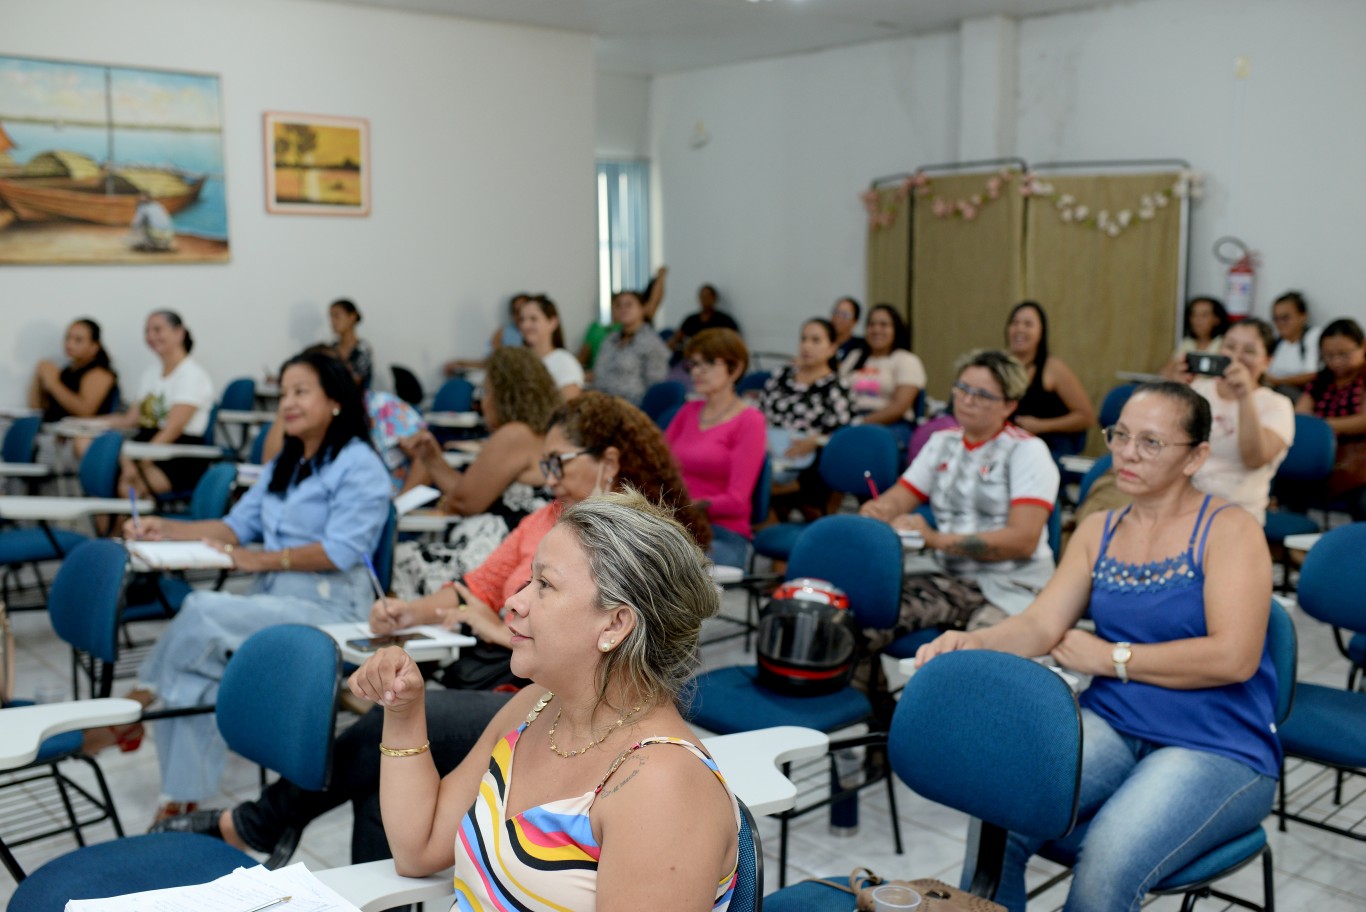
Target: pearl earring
x=336 y=412
x=605 y=647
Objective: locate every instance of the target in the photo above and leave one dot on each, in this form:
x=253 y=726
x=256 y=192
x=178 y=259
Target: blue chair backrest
x=667 y=417
x=239 y=395
x=455 y=395
x=1310 y=457
x=860 y=555
x=1102 y=466
x=211 y=492
x=1280 y=639
x=383 y=558
x=87 y=595
x=1055 y=530
x=1333 y=578
x=277 y=702
x=99 y=470
x=752 y=382
x=759 y=503
x=993 y=735
x=1113 y=403
x=854 y=450
x=749 y=874
x=21 y=439
x=258 y=445
x=661 y=396
x=406 y=385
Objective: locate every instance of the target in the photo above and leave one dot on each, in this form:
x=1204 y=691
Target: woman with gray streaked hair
x=992 y=486
x=607 y=629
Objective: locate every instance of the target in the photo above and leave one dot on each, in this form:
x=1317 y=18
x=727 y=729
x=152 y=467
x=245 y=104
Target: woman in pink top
x=720 y=442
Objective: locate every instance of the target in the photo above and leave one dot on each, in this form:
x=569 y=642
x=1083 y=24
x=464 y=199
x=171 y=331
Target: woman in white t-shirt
x=171 y=405
x=1295 y=359
x=887 y=378
x=538 y=320
x=1253 y=425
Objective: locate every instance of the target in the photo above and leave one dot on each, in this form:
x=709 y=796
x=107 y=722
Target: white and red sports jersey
x=971 y=488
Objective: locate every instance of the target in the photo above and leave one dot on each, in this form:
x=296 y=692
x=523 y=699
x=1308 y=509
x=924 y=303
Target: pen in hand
x=133 y=502
x=374 y=582
x=872 y=488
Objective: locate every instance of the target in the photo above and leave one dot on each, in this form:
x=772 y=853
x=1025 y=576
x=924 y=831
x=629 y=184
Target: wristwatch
x=1121 y=655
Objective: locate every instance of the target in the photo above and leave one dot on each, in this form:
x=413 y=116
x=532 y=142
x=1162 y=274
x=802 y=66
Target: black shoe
x=205 y=822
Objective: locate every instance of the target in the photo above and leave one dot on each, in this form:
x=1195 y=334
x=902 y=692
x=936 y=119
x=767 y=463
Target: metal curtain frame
x=1183 y=261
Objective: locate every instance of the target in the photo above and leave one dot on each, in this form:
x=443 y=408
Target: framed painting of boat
x=110 y=164
x=317 y=165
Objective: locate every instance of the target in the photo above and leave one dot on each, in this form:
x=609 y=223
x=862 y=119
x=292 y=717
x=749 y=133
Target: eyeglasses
x=1149 y=447
x=553 y=465
x=969 y=393
x=695 y=364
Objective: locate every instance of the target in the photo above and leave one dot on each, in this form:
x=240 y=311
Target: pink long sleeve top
x=720 y=464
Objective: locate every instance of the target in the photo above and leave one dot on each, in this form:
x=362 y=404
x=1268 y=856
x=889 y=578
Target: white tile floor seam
x=1314 y=870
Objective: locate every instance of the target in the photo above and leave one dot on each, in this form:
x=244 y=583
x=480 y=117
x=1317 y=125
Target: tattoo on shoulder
x=972 y=546
x=625 y=780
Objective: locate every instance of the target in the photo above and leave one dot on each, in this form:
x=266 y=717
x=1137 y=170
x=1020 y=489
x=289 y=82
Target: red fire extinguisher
x=1241 y=280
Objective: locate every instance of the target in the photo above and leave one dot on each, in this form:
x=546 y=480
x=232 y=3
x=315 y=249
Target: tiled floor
x=1314 y=870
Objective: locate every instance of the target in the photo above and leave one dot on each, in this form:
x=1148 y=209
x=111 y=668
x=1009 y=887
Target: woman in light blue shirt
x=317 y=513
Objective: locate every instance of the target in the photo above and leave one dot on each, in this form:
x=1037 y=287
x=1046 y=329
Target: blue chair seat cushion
x=1215 y=863
x=777 y=541
x=19 y=546
x=1281 y=523
x=127 y=866
x=812 y=896
x=1327 y=724
x=728 y=700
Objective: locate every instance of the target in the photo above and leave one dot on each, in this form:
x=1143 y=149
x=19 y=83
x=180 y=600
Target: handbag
x=935 y=895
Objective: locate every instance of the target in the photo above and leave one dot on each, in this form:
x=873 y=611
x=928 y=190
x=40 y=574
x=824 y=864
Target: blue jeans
x=1152 y=810
x=728 y=548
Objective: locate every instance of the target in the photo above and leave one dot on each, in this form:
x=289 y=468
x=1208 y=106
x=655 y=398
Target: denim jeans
x=728 y=548
x=1152 y=810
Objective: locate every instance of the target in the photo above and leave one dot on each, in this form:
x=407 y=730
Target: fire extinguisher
x=1241 y=280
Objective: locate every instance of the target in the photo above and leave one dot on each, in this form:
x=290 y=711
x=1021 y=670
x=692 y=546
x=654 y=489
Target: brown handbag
x=935 y=895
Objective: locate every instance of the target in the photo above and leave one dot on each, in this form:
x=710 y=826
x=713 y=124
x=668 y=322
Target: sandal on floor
x=173 y=809
x=203 y=822
x=128 y=738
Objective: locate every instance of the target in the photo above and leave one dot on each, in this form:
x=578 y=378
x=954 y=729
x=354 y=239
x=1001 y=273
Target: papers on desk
x=415 y=497
x=179 y=555
x=243 y=889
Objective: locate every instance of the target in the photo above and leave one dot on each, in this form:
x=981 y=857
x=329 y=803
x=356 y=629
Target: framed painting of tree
x=317 y=165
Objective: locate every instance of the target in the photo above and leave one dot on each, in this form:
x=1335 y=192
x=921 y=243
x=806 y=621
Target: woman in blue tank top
x=1179 y=751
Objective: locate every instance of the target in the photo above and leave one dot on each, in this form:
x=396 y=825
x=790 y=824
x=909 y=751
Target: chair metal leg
x=1268 y=882
x=891 y=805
x=11 y=863
x=104 y=793
x=1280 y=809
x=66 y=804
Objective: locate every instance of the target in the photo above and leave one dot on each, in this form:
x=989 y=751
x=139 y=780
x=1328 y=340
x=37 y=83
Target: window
x=623 y=230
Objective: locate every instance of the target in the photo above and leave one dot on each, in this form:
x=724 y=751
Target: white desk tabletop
x=1079 y=464
x=458 y=459
x=1303 y=542
x=267 y=391
x=135 y=449
x=26 y=727
x=426 y=521
x=77 y=427
x=55 y=509
x=375 y=886
x=25 y=469
x=420 y=653
x=246 y=416
x=453 y=419
x=18 y=412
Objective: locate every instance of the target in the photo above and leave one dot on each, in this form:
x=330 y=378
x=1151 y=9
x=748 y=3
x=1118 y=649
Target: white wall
x=623 y=115
x=482 y=141
x=769 y=209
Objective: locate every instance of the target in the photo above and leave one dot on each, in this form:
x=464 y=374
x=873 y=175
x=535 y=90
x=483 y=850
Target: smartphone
x=370 y=644
x=1207 y=364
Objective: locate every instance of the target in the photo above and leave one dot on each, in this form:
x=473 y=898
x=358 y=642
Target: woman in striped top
x=607 y=629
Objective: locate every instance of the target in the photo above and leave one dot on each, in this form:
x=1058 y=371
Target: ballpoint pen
x=267 y=905
x=872 y=488
x=374 y=581
x=133 y=502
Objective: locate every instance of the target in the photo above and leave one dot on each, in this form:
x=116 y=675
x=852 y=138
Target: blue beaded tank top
x=1157 y=602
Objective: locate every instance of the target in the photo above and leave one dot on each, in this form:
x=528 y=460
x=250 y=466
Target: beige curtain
x=1110 y=300
x=889 y=252
x=965 y=274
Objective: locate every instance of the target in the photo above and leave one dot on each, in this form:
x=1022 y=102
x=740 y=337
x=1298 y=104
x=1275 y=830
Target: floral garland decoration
x=1188 y=185
x=966 y=208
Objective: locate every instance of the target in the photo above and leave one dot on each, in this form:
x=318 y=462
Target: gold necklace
x=574 y=753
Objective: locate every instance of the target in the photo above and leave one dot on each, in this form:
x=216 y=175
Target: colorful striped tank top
x=544 y=858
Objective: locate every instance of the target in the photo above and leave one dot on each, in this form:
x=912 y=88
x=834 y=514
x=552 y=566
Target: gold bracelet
x=405 y=752
x=284 y=559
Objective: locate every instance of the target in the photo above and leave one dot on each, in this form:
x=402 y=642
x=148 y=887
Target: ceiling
x=662 y=36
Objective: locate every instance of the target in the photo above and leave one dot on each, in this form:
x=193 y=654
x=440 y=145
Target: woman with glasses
x=503 y=486
x=720 y=441
x=992 y=486
x=1179 y=749
x=595 y=443
x=1295 y=359
x=1338 y=395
